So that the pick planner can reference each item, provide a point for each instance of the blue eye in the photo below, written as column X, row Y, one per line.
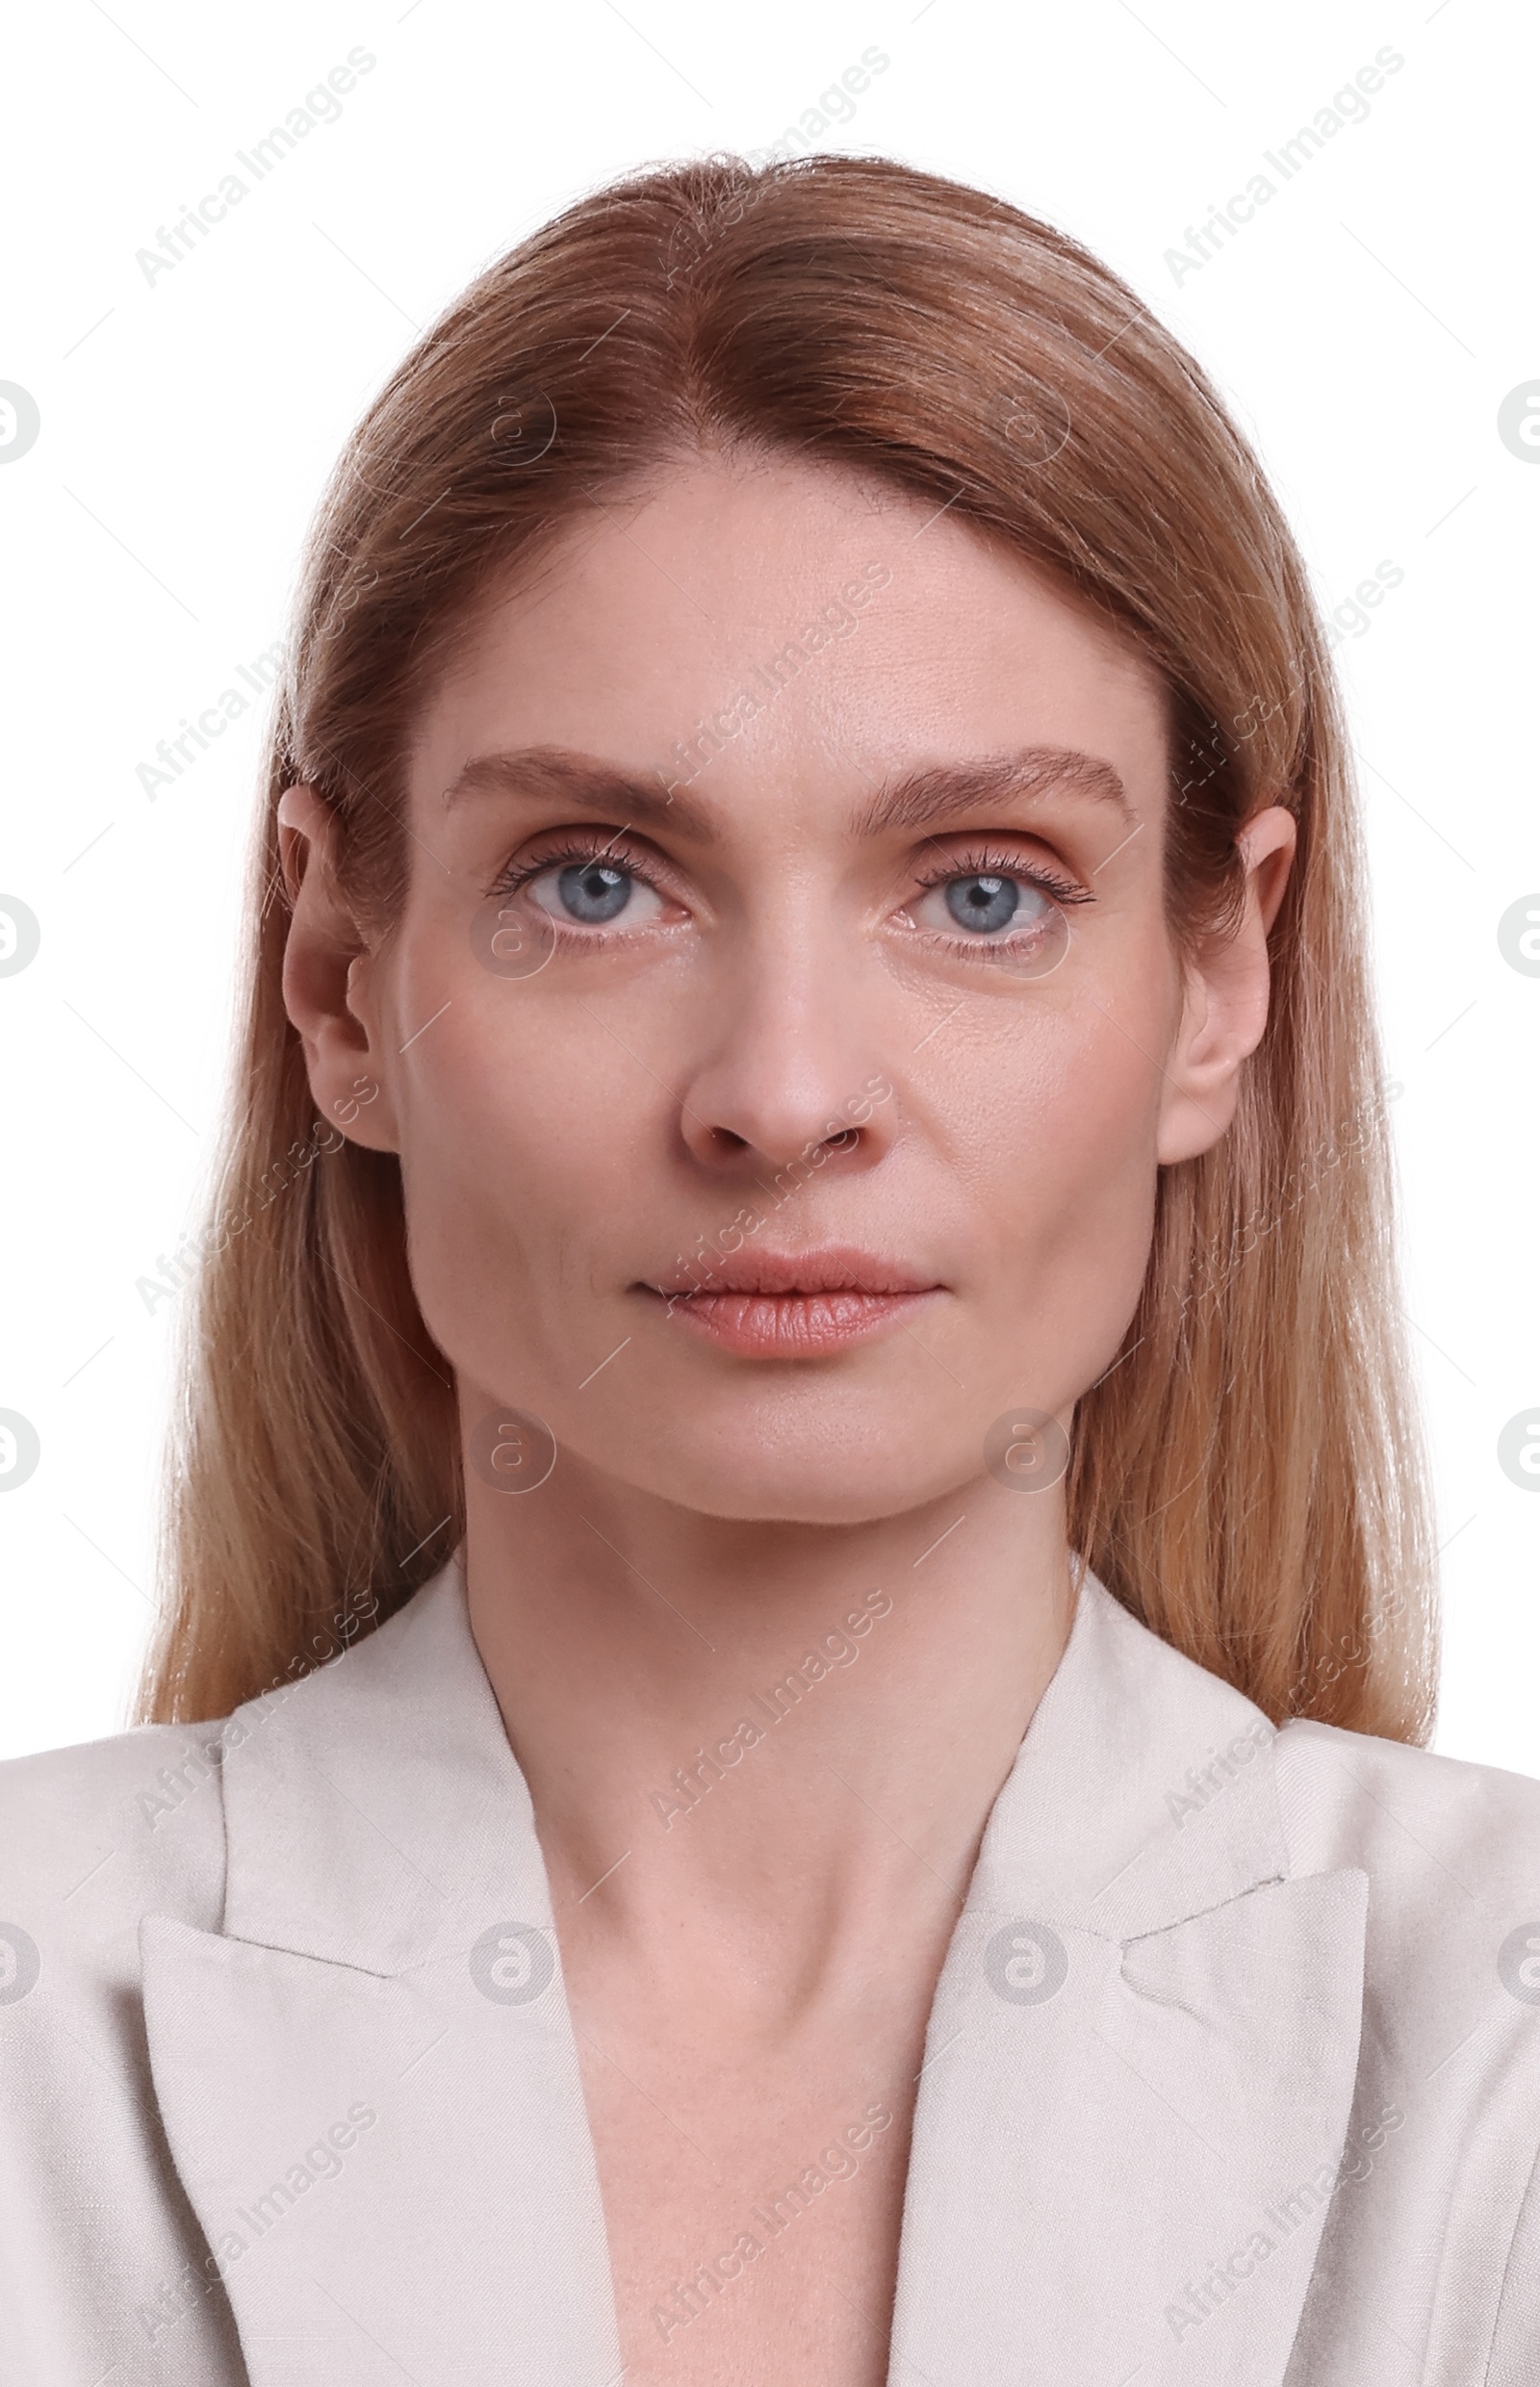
column 982, row 902
column 593, row 891
column 992, row 906
column 1010, row 913
column 585, row 889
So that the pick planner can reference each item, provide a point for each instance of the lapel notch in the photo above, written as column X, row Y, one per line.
column 369, row 2079
column 1140, row 2061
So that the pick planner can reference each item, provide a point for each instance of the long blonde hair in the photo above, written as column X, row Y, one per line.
column 1248, row 1477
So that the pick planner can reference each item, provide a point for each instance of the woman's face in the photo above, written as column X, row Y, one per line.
column 786, row 896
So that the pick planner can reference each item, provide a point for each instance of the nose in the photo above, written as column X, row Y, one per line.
column 791, row 1067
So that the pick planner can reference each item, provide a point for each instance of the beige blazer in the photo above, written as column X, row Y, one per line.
column 1233, row 2072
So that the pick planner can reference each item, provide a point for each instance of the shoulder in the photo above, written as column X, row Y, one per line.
column 1348, row 1797
column 1452, row 1850
column 95, row 1837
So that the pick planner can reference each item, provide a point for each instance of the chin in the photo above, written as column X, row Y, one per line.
column 813, row 1475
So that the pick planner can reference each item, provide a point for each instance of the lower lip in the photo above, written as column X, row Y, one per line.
column 792, row 1326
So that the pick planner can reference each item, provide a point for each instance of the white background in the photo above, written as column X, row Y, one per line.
column 1365, row 326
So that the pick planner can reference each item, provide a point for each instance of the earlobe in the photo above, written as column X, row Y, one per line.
column 326, row 978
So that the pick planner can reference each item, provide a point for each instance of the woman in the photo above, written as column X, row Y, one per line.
column 786, row 1744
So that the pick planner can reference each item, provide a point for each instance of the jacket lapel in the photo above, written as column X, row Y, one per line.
column 1138, row 2074
column 1141, row 2060
column 369, row 2082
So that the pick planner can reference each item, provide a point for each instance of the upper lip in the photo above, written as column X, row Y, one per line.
column 834, row 1268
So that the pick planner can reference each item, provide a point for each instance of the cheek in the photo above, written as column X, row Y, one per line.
column 520, row 1135
column 1056, row 1133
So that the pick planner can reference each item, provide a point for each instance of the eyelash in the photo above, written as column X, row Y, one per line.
column 978, row 862
column 987, row 861
column 610, row 849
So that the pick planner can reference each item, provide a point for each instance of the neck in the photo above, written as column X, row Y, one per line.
column 723, row 1721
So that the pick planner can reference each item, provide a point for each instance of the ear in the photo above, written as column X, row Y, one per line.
column 326, row 971
column 1225, row 1007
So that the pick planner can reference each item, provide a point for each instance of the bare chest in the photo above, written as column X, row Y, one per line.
column 752, row 2208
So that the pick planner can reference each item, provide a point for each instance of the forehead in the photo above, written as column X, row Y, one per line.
column 775, row 616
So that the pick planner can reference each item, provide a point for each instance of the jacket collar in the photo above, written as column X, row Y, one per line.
column 1136, row 1798
column 376, row 1815
column 1142, row 2055
column 1145, row 2037
column 375, row 1808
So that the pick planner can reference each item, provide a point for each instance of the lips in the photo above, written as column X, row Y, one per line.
column 794, row 1305
column 835, row 1267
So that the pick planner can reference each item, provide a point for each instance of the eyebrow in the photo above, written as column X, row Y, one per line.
column 924, row 800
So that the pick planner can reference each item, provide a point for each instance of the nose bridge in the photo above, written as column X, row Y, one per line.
column 788, row 1057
